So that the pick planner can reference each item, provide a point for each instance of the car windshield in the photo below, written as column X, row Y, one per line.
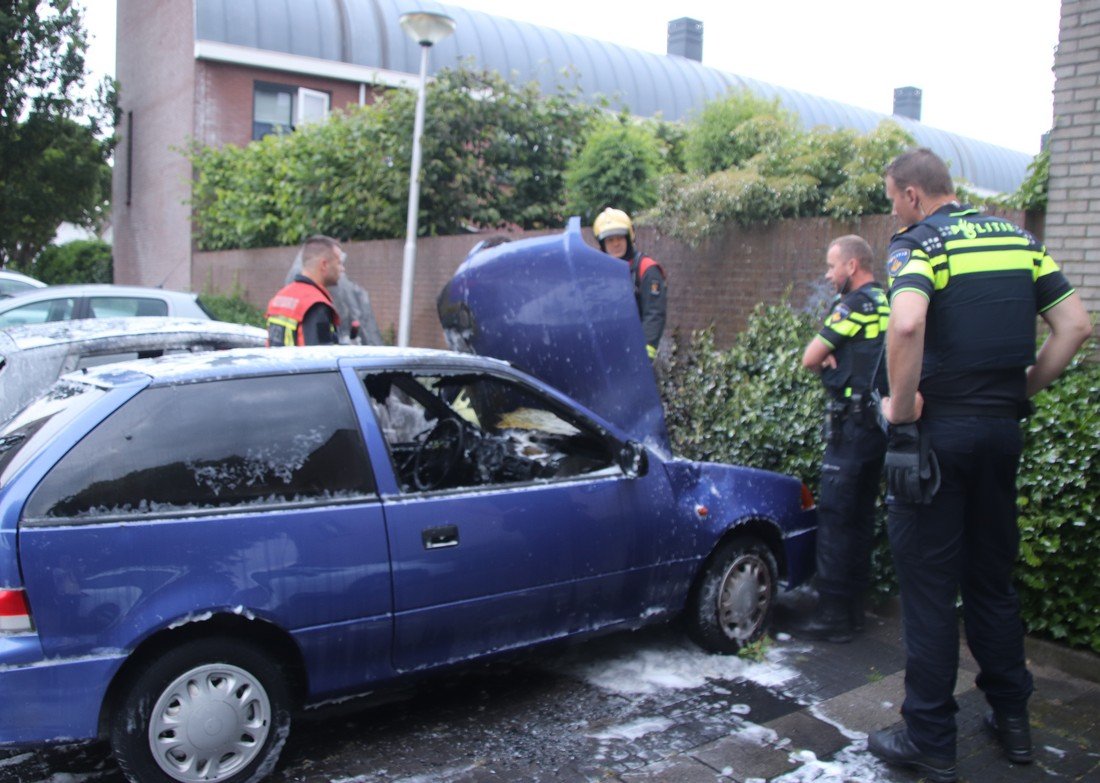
column 27, row 433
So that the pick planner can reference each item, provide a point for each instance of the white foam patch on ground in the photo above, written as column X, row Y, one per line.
column 851, row 765
column 671, row 666
column 12, row 760
column 1056, row 751
column 756, row 734
column 851, row 734
column 634, row 729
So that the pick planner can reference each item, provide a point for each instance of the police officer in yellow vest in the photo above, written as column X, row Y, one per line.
column 847, row 353
column 965, row 291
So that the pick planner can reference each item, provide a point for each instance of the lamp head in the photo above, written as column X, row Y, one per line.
column 427, row 29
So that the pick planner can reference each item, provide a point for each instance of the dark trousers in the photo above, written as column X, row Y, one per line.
column 965, row 539
column 850, row 476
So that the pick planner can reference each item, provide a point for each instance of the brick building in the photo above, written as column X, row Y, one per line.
column 1072, row 222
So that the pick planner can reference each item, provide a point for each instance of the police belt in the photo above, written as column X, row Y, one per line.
column 855, row 404
column 998, row 410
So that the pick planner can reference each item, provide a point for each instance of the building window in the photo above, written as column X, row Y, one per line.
column 279, row 107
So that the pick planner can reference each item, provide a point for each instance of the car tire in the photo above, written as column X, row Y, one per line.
column 216, row 710
column 732, row 601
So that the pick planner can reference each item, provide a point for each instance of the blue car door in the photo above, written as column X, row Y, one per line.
column 521, row 538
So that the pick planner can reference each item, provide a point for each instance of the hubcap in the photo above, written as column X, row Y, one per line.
column 209, row 723
column 743, row 597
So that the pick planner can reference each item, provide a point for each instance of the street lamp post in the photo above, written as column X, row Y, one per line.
column 426, row 29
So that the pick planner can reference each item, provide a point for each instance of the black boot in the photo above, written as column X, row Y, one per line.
column 856, row 613
column 894, row 747
column 830, row 622
column 1014, row 734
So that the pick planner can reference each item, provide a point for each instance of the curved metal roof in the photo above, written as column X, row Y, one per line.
column 368, row 33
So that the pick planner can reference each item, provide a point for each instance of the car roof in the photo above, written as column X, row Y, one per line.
column 32, row 336
column 95, row 289
column 10, row 275
column 240, row 362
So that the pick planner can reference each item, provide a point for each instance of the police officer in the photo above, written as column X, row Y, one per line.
column 965, row 290
column 847, row 353
column 615, row 233
column 302, row 312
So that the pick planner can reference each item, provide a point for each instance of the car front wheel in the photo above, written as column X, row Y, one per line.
column 213, row 710
column 733, row 598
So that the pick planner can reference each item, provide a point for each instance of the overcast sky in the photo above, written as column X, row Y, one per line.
column 985, row 66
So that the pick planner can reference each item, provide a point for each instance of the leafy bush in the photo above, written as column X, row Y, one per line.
column 79, row 261
column 493, row 155
column 233, row 308
column 766, row 168
column 1059, row 486
column 729, row 132
column 1032, row 193
column 618, row 167
column 754, row 405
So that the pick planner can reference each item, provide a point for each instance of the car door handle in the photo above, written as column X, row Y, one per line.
column 439, row 537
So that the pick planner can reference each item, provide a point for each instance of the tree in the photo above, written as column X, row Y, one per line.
column 79, row 261
column 55, row 141
column 618, row 167
column 729, row 132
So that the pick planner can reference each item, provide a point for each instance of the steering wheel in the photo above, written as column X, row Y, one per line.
column 438, row 453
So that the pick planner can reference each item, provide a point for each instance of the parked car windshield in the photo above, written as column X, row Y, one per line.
column 26, row 434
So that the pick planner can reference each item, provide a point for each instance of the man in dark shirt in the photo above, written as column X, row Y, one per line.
column 965, row 291
column 302, row 312
column 847, row 354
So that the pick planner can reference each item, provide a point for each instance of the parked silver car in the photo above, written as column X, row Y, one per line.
column 73, row 302
column 32, row 357
column 12, row 283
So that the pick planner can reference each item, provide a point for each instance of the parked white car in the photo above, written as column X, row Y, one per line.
column 32, row 357
column 12, row 283
column 73, row 302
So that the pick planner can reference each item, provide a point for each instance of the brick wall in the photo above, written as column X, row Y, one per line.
column 1072, row 222
column 717, row 284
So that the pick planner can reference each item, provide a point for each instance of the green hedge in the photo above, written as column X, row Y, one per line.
column 753, row 404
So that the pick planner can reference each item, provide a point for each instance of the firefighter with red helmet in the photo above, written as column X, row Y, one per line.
column 615, row 233
column 302, row 312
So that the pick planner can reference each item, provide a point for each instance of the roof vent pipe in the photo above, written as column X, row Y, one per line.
column 685, row 38
column 907, row 102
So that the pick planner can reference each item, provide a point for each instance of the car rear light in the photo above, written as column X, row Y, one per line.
column 15, row 615
column 808, row 501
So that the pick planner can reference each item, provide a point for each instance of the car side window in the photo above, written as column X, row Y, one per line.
column 450, row 431
column 213, row 445
column 125, row 306
column 38, row 312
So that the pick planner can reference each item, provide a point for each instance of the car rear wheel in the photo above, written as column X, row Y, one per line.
column 733, row 599
column 214, row 710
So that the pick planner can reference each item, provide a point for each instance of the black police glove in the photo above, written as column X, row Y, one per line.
column 912, row 470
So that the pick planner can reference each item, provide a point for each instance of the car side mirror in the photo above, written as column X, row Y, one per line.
column 633, row 459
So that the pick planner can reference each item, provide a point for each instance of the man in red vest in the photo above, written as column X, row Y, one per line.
column 302, row 312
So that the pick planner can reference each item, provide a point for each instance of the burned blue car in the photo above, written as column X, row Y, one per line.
column 194, row 548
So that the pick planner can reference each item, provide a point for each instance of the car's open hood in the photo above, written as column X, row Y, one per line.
column 564, row 312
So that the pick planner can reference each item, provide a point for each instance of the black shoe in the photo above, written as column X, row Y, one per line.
column 1014, row 734
column 894, row 747
column 831, row 621
column 856, row 615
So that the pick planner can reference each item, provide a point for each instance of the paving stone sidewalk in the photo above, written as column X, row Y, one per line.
column 853, row 689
